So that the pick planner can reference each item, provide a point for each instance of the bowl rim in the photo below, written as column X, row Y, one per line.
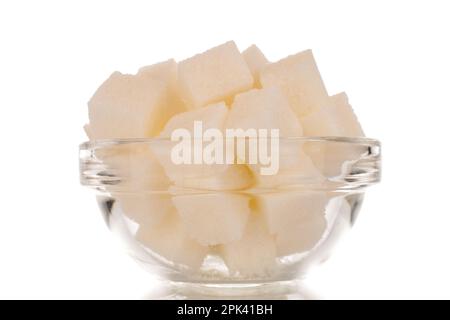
column 364, row 172
column 99, row 143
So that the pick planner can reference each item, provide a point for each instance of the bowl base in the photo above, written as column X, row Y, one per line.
column 277, row 290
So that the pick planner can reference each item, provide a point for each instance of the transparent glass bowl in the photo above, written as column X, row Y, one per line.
column 207, row 225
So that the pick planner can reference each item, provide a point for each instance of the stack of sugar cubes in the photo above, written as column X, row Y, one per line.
column 223, row 88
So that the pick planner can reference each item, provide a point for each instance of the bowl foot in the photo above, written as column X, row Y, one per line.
column 278, row 290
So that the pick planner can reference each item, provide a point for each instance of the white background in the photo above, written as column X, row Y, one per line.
column 391, row 57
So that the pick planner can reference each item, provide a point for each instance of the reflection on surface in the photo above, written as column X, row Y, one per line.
column 279, row 291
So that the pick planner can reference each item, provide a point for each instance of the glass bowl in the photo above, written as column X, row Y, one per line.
column 217, row 226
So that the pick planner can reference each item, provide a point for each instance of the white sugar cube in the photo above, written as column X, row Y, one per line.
column 215, row 75
column 214, row 218
column 296, row 219
column 255, row 60
column 169, row 240
column 299, row 79
column 254, row 255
